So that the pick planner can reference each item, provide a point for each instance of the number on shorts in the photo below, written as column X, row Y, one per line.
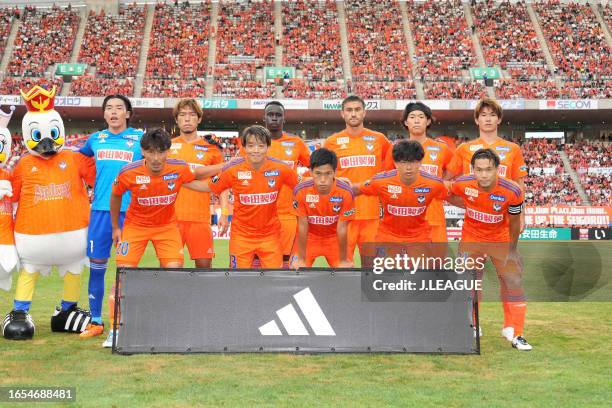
column 123, row 248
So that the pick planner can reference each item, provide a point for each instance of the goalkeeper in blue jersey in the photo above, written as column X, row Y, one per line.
column 112, row 148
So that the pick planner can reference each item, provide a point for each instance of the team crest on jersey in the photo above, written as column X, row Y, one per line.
column 143, row 179
column 471, row 192
column 271, row 182
column 502, row 156
column 288, row 152
column 171, row 185
column 63, row 165
column 199, row 155
column 129, row 144
column 473, row 148
column 312, row 198
column 336, row 208
column 244, row 175
column 433, row 156
column 420, row 199
column 370, row 146
column 497, row 207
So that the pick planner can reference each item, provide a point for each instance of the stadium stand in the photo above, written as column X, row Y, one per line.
column 92, row 86
column 589, row 159
column 311, row 40
column 6, row 19
column 12, row 85
column 379, row 54
column 241, row 52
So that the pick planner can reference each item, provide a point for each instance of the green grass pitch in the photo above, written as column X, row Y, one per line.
column 569, row 366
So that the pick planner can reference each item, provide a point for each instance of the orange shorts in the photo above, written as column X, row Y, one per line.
column 322, row 246
column 134, row 239
column 287, row 234
column 242, row 250
column 360, row 231
column 198, row 237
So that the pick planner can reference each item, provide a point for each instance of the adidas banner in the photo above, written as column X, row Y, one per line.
column 313, row 311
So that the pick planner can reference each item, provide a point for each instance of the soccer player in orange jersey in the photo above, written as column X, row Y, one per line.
column 154, row 184
column 361, row 154
column 492, row 227
column 488, row 116
column 256, row 181
column 405, row 194
column 193, row 207
column 324, row 207
column 417, row 118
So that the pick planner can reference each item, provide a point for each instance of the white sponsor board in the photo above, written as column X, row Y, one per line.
column 569, row 104
column 301, row 104
column 336, row 104
column 147, row 102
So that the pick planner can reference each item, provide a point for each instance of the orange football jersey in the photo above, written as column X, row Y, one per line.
column 194, row 205
column 51, row 192
column 255, row 194
column 487, row 212
column 324, row 210
column 6, row 215
column 512, row 165
column 153, row 196
column 360, row 157
column 404, row 205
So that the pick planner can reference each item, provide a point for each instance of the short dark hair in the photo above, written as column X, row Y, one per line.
column 274, row 103
column 323, row 156
column 353, row 98
column 416, row 106
column 485, row 154
column 126, row 102
column 408, row 151
column 260, row 133
column 156, row 139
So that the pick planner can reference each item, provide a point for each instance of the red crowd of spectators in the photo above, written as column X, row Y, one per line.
column 179, row 42
column 311, row 44
column 12, row 85
column 45, row 37
column 576, row 40
column 442, row 40
column 245, row 41
column 92, row 86
column 513, row 89
column 590, row 160
column 167, row 88
column 112, row 42
column 385, row 90
column 454, row 90
column 6, row 19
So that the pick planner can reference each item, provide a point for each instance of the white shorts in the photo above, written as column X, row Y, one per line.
column 65, row 250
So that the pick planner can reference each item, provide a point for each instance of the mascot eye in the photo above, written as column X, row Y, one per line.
column 2, row 144
column 55, row 133
column 36, row 135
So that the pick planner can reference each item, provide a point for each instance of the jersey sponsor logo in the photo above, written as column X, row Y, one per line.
column 369, row 138
column 473, row 148
column 336, row 207
column 52, row 192
column 171, row 176
column 430, row 169
column 471, row 192
column 496, row 197
column 335, row 199
column 497, row 207
column 502, row 148
column 322, row 220
column 312, row 198
column 422, row 190
column 112, row 154
column 287, row 143
column 502, row 170
column 434, row 148
column 157, row 200
column 131, row 137
column 484, row 217
column 176, row 146
column 143, row 179
column 202, row 148
column 342, row 140
column 258, row 199
column 394, row 189
column 405, row 211
column 349, row 212
column 244, row 175
column 358, row 161
column 272, row 173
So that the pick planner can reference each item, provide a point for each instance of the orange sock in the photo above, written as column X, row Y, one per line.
column 518, row 310
column 113, row 314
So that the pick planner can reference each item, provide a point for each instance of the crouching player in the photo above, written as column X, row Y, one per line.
column 491, row 228
column 154, row 183
column 324, row 206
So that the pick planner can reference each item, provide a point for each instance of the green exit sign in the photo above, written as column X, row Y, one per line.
column 272, row 73
column 479, row 73
column 70, row 69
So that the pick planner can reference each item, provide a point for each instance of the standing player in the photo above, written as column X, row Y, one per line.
column 255, row 181
column 405, row 194
column 324, row 207
column 417, row 119
column 293, row 151
column 361, row 154
column 192, row 207
column 111, row 148
column 488, row 116
column 492, row 226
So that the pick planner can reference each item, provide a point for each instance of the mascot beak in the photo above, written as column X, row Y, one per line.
column 2, row 157
column 46, row 147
